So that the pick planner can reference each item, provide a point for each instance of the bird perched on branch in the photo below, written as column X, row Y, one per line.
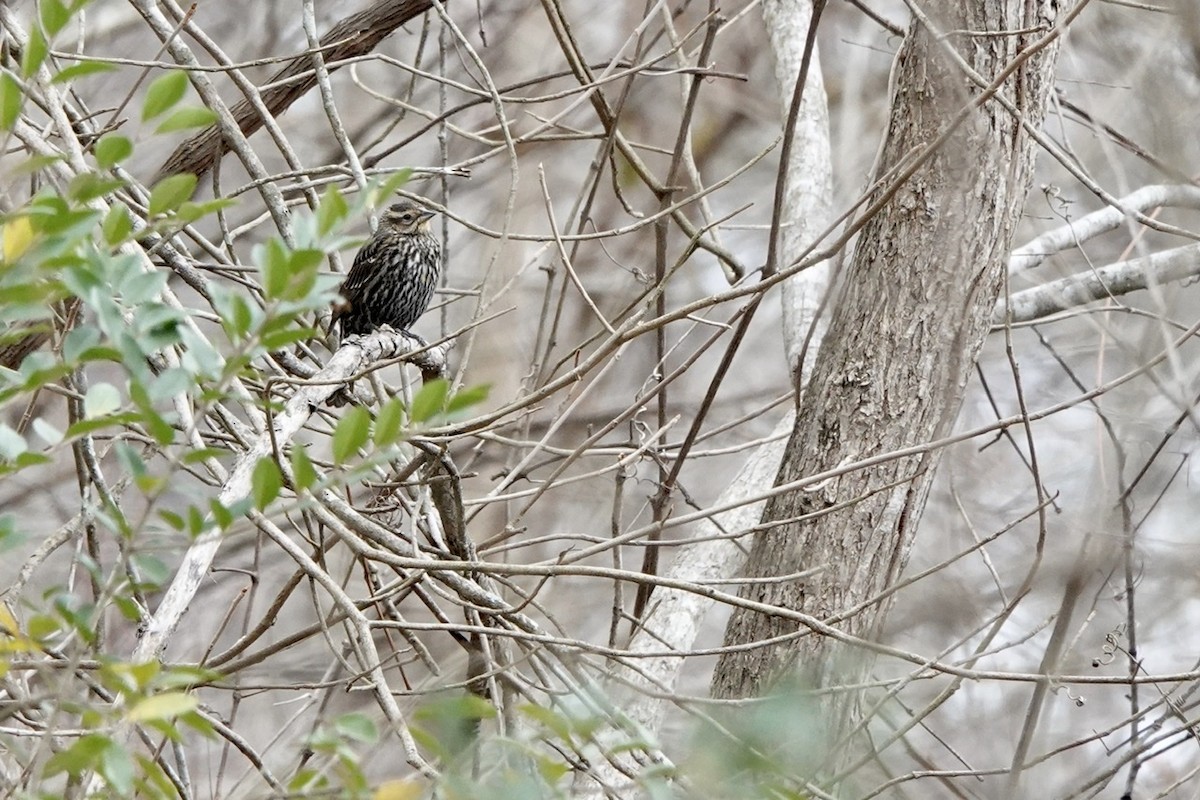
column 393, row 276
column 391, row 281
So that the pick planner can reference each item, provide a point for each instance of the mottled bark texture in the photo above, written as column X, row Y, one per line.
column 915, row 305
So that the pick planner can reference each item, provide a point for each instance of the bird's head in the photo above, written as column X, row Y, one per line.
column 406, row 217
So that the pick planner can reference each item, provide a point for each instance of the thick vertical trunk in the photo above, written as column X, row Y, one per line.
column 915, row 305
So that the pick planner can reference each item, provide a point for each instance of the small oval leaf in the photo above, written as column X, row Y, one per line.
column 389, row 421
column 112, row 149
column 10, row 100
column 163, row 93
column 101, row 399
column 430, row 400
column 351, row 433
column 265, row 482
column 185, row 118
column 171, row 192
column 18, row 236
column 304, row 474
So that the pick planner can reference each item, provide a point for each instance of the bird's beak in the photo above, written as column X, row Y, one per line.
column 425, row 216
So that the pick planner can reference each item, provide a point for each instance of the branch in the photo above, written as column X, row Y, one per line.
column 356, row 35
column 350, row 359
column 1097, row 284
column 1104, row 220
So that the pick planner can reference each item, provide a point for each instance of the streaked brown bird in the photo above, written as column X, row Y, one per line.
column 394, row 274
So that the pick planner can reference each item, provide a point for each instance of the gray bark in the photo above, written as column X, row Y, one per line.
column 915, row 305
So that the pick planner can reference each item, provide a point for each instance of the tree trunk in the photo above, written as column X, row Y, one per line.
column 915, row 305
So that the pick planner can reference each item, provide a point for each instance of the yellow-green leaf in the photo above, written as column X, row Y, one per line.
column 54, row 15
column 184, row 118
column 171, row 192
column 351, row 433
column 397, row 789
column 101, row 399
column 113, row 148
column 12, row 640
column 36, row 49
column 18, row 236
column 388, row 422
column 10, row 100
column 304, row 474
column 265, row 482
column 430, row 400
column 162, row 706
column 163, row 93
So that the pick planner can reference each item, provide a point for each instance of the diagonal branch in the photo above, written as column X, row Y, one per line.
column 356, row 35
column 1088, row 286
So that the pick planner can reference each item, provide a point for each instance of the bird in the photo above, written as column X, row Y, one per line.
column 393, row 276
column 391, row 280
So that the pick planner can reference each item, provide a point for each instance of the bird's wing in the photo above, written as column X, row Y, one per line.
column 360, row 271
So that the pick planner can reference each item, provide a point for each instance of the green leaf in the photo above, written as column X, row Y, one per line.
column 48, row 433
column 170, row 192
column 167, row 705
column 351, row 433
column 101, row 399
column 195, row 522
column 54, row 15
column 78, row 757
column 304, row 474
column 273, row 262
column 430, row 400
column 202, row 454
column 10, row 100
column 199, row 356
column 199, row 724
column 190, row 211
column 279, row 339
column 10, row 538
column 131, row 462
column 112, row 149
column 35, row 53
column 89, row 185
column 98, row 752
column 185, row 118
column 302, row 273
column 117, row 225
column 331, row 211
column 558, row 724
column 172, row 519
column 222, row 516
column 265, row 482
column 236, row 313
column 471, row 396
column 288, row 274
column 139, row 289
column 34, row 164
column 16, row 237
column 160, row 429
column 82, row 70
column 164, row 92
column 12, row 444
column 389, row 422
column 386, row 191
column 356, row 726
column 116, row 767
